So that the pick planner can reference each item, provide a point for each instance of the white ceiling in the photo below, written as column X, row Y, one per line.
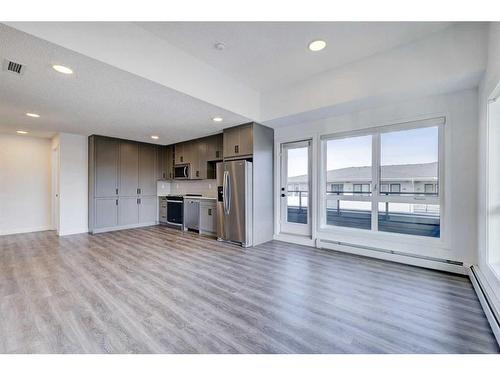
column 97, row 99
column 133, row 80
column 268, row 55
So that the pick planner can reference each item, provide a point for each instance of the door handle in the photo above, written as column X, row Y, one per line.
column 283, row 195
column 225, row 192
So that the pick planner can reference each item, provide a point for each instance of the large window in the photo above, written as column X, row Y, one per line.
column 349, row 164
column 403, row 161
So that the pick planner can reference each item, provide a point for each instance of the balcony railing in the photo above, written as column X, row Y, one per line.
column 358, row 192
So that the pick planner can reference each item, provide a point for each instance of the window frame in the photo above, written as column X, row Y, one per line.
column 376, row 195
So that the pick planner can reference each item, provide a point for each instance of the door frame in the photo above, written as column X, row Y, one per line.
column 284, row 226
column 55, row 189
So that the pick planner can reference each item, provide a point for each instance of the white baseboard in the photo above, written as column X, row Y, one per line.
column 73, row 231
column 489, row 303
column 296, row 239
column 26, row 230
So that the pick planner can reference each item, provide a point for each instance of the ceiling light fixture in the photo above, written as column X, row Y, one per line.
column 62, row 69
column 219, row 46
column 217, row 119
column 21, row 132
column 155, row 137
column 317, row 45
column 36, row 115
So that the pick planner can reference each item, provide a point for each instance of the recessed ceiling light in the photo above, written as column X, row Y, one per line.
column 62, row 69
column 21, row 132
column 217, row 119
column 219, row 46
column 155, row 137
column 32, row 115
column 317, row 45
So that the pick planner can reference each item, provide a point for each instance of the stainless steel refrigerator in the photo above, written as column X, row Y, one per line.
column 234, row 203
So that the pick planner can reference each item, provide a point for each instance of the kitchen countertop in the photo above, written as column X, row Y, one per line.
column 198, row 197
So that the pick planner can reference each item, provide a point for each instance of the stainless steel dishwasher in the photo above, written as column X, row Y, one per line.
column 191, row 214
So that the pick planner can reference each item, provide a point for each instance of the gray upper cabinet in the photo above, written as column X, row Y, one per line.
column 198, row 159
column 214, row 147
column 106, row 167
column 231, row 142
column 161, row 162
column 165, row 162
column 179, row 153
column 129, row 168
column 170, row 162
column 238, row 141
column 147, row 170
column 246, row 140
column 147, row 209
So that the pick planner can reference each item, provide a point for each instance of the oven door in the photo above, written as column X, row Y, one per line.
column 175, row 212
column 181, row 172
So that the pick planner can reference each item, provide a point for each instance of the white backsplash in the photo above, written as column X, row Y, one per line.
column 207, row 188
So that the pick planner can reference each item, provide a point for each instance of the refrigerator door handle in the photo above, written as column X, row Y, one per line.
column 224, row 191
column 230, row 193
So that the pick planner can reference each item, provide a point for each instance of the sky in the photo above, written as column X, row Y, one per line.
column 413, row 146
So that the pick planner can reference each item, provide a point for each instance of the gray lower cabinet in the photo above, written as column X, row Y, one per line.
column 106, row 213
column 147, row 209
column 208, row 219
column 128, row 211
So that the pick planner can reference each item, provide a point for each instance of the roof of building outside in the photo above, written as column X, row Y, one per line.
column 426, row 171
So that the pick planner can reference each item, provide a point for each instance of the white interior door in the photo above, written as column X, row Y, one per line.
column 295, row 188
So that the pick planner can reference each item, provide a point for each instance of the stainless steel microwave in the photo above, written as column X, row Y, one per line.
column 181, row 172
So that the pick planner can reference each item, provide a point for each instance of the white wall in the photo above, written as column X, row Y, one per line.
column 490, row 81
column 73, row 183
column 25, row 184
column 446, row 61
column 207, row 188
column 459, row 221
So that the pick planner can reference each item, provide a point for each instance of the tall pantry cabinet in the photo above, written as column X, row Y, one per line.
column 122, row 184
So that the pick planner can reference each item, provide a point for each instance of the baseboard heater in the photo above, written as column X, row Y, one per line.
column 489, row 309
column 393, row 252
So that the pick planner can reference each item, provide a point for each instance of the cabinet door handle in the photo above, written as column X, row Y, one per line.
column 197, row 173
column 163, row 174
column 116, row 202
column 182, row 159
column 236, row 149
column 217, row 153
column 209, row 212
column 116, row 191
column 138, row 200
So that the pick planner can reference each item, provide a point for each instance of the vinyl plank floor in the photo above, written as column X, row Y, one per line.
column 158, row 290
